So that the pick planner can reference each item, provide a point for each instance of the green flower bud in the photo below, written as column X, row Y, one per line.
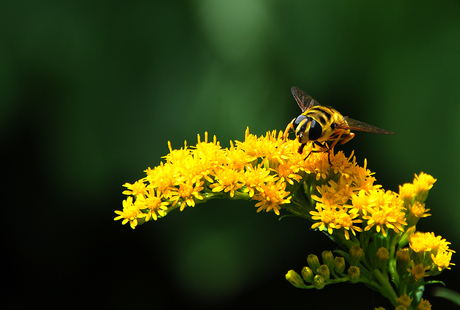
column 339, row 263
column 324, row 272
column 402, row 261
column 381, row 257
column 318, row 282
column 328, row 259
column 313, row 262
column 307, row 274
column 355, row 255
column 353, row 273
column 294, row 278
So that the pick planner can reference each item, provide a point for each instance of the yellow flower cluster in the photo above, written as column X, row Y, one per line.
column 258, row 168
column 354, row 199
column 431, row 248
column 332, row 191
column 270, row 170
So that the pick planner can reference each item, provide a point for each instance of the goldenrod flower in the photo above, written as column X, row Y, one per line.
column 386, row 211
column 270, row 147
column 187, row 192
column 428, row 242
column 371, row 225
column 404, row 300
column 267, row 169
column 138, row 188
column 271, row 196
column 151, row 204
column 442, row 259
column 432, row 251
column 422, row 184
column 326, row 217
column 360, row 201
column 424, row 305
column 227, row 180
column 418, row 271
column 130, row 213
column 288, row 172
column 254, row 178
column 418, row 210
column 347, row 221
column 407, row 192
column 363, row 177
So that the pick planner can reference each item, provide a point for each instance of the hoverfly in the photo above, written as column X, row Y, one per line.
column 318, row 124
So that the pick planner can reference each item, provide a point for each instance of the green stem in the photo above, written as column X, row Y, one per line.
column 330, row 281
column 386, row 288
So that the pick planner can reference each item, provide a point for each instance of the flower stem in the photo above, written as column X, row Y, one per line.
column 385, row 287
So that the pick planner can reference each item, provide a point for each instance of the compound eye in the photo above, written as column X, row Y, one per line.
column 299, row 119
column 315, row 131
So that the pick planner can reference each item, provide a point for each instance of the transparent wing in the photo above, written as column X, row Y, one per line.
column 353, row 124
column 303, row 100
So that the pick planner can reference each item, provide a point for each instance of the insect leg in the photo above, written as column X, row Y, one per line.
column 331, row 148
column 288, row 127
column 300, row 150
column 347, row 138
column 322, row 148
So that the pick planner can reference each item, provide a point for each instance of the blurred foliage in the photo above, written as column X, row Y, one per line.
column 90, row 93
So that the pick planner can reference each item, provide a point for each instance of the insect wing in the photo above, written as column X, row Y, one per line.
column 360, row 126
column 303, row 100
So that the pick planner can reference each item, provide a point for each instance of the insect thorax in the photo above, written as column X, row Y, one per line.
column 317, row 123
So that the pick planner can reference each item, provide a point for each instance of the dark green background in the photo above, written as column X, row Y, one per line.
column 91, row 92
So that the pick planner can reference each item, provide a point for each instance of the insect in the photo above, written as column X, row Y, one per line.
column 318, row 124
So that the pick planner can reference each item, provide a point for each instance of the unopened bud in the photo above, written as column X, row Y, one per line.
column 402, row 261
column 339, row 263
column 381, row 257
column 355, row 255
column 307, row 274
column 318, row 282
column 404, row 300
column 328, row 259
column 324, row 272
column 353, row 273
column 294, row 278
column 313, row 262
